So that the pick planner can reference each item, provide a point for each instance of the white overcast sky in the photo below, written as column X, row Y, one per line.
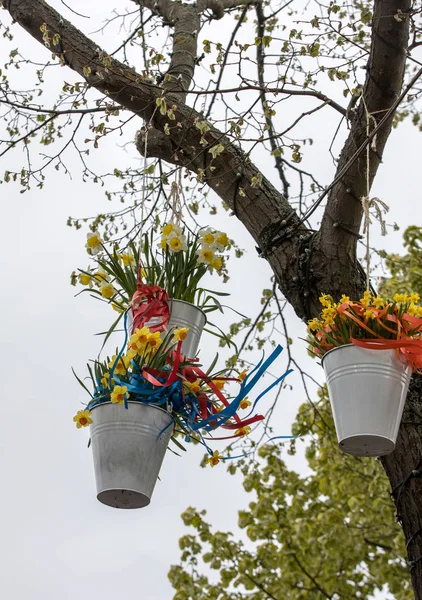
column 56, row 539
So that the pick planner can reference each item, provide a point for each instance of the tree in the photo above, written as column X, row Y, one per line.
column 331, row 534
column 285, row 57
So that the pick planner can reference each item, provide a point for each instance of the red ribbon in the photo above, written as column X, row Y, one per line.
column 149, row 301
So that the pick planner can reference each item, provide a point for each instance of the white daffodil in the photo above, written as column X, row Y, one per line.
column 205, row 255
column 177, row 243
column 208, row 237
column 170, row 229
column 93, row 243
column 87, row 278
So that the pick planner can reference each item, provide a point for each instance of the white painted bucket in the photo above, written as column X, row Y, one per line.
column 182, row 314
column 128, row 447
column 367, row 390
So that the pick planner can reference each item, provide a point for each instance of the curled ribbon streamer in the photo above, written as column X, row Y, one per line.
column 410, row 349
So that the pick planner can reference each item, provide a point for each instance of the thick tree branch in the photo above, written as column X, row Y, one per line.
column 385, row 73
column 238, row 182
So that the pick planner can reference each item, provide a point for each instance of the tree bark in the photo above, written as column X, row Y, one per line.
column 304, row 262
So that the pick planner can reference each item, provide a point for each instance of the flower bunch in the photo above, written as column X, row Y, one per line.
column 152, row 370
column 372, row 317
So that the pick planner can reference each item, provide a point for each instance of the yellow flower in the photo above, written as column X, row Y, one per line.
column 107, row 290
column 122, row 366
column 314, row 325
column 244, row 404
column 223, row 239
column 82, row 418
column 378, row 302
column 175, row 244
column 344, row 299
column 214, row 459
column 128, row 259
column 119, row 394
column 85, row 279
column 242, row 375
column 180, row 334
column 366, row 299
column 139, row 338
column 100, row 276
column 414, row 297
column 326, row 300
column 105, row 380
column 167, row 229
column 399, row 298
column 93, row 243
column 194, row 386
column 219, row 383
column 414, row 310
column 154, row 340
column 117, row 308
column 328, row 314
column 205, row 255
column 208, row 238
column 163, row 243
column 243, row 431
column 217, row 263
column 369, row 314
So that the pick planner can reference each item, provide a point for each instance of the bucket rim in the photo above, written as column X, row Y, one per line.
column 109, row 403
column 189, row 304
column 354, row 346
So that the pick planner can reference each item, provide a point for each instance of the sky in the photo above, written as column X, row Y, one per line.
column 56, row 539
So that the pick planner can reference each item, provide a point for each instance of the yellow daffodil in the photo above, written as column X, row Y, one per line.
column 86, row 279
column 154, row 340
column 378, row 302
column 412, row 309
column 205, row 255
column 100, row 276
column 107, row 290
column 223, row 240
column 180, row 334
column 167, row 229
column 194, row 386
column 328, row 314
column 314, row 325
column 93, row 243
column 127, row 259
column 400, row 298
column 217, row 263
column 366, row 299
column 214, row 459
column 82, row 418
column 121, row 366
column 369, row 313
column 119, row 394
column 242, row 376
column 219, row 383
column 326, row 300
column 244, row 404
column 139, row 339
column 243, row 431
column 414, row 298
column 105, row 380
column 344, row 299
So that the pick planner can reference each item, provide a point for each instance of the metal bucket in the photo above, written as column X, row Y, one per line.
column 128, row 447
column 182, row 314
column 367, row 390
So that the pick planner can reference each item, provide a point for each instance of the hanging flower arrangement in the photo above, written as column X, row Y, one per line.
column 154, row 388
column 369, row 349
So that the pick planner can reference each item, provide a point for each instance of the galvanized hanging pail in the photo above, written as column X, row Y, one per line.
column 128, row 447
column 182, row 314
column 367, row 390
